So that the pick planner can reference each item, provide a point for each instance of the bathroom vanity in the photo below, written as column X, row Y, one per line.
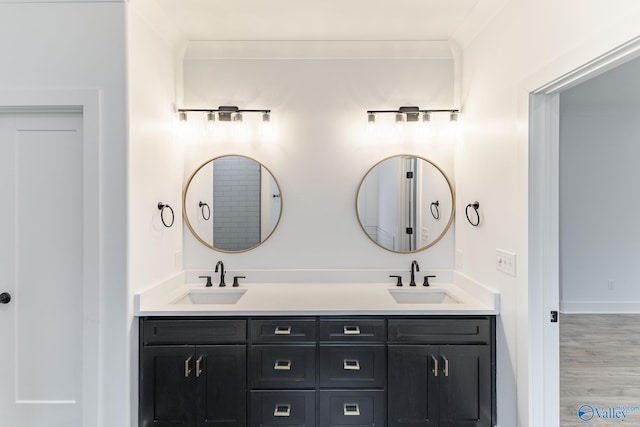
column 282, row 355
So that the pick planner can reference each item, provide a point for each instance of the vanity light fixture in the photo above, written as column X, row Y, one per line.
column 412, row 114
column 226, row 113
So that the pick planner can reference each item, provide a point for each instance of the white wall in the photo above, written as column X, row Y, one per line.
column 319, row 94
column 599, row 227
column 67, row 46
column 155, row 166
column 155, row 150
column 527, row 45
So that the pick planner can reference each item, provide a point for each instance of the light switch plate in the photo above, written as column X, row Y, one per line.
column 506, row 262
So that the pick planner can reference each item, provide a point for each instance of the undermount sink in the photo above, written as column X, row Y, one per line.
column 210, row 296
column 422, row 296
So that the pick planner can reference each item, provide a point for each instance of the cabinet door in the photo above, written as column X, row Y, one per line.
column 221, row 386
column 412, row 393
column 167, row 387
column 465, row 386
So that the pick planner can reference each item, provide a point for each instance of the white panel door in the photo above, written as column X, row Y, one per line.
column 41, row 267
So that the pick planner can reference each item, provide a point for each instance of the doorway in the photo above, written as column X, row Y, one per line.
column 599, row 243
column 545, row 233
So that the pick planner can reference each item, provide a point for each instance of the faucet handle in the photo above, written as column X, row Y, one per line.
column 426, row 280
column 235, row 280
column 399, row 281
column 209, row 284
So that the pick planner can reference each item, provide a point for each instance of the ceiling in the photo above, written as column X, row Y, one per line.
column 393, row 20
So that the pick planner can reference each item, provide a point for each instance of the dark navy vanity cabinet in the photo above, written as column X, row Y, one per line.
column 193, row 372
column 317, row 371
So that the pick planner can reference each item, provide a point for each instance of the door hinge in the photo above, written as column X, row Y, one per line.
column 409, row 175
column 554, row 316
column 409, row 230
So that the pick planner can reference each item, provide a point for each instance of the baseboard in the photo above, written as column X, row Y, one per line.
column 623, row 307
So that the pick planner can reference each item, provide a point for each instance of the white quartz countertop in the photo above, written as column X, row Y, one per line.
column 271, row 299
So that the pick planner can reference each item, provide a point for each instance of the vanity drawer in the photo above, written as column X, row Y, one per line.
column 283, row 330
column 352, row 408
column 283, row 366
column 352, row 330
column 440, row 331
column 194, row 331
column 283, row 408
column 348, row 366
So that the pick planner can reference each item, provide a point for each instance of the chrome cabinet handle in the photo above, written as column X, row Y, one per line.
column 351, row 365
column 282, row 365
column 351, row 409
column 198, row 368
column 282, row 330
column 445, row 368
column 187, row 369
column 435, row 366
column 282, row 410
column 351, row 330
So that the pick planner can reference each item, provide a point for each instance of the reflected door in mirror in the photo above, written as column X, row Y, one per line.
column 405, row 203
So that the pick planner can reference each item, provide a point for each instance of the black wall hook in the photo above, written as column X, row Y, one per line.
column 475, row 206
column 206, row 213
column 162, row 207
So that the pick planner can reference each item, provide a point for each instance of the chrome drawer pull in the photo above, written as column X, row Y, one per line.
column 282, row 365
column 351, row 365
column 187, row 368
column 351, row 330
column 282, row 410
column 198, row 367
column 445, row 368
column 351, row 409
column 282, row 330
column 435, row 366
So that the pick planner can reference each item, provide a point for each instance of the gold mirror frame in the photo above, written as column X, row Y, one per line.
column 451, row 216
column 186, row 217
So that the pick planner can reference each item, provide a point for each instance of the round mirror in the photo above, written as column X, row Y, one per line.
column 405, row 203
column 231, row 203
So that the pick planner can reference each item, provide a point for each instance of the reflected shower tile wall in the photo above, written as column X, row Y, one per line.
column 236, row 185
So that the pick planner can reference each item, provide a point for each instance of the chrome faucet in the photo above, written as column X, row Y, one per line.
column 221, row 265
column 414, row 265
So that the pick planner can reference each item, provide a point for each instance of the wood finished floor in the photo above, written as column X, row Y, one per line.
column 600, row 367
